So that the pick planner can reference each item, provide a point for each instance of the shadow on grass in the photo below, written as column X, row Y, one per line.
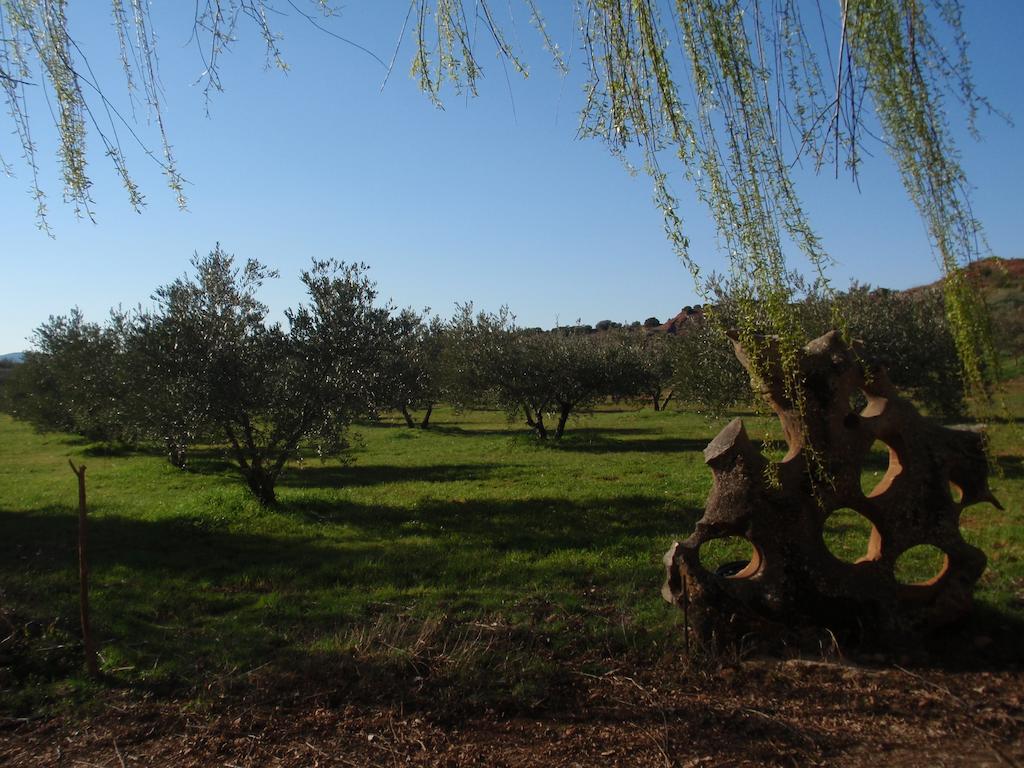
column 181, row 604
column 443, row 428
column 1011, row 466
column 598, row 441
column 117, row 450
column 332, row 476
column 180, row 600
column 988, row 639
column 536, row 525
column 517, row 428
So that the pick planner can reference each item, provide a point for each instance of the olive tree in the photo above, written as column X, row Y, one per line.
column 544, row 377
column 558, row 374
column 728, row 95
column 76, row 379
column 477, row 355
column 265, row 389
column 415, row 366
column 705, row 372
column 908, row 332
column 649, row 370
column 165, row 360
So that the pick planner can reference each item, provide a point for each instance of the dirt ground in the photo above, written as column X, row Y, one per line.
column 799, row 713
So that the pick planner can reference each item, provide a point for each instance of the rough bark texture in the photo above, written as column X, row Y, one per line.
column 408, row 417
column 262, row 483
column 563, row 417
column 792, row 580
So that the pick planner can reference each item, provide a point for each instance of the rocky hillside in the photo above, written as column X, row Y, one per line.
column 1001, row 282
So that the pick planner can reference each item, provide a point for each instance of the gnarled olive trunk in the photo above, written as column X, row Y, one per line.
column 656, row 400
column 261, row 482
column 535, row 421
column 176, row 453
column 426, row 417
column 563, row 416
column 408, row 417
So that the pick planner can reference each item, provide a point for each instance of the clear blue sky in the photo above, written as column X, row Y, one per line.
column 492, row 200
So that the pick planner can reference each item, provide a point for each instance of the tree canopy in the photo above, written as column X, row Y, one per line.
column 728, row 95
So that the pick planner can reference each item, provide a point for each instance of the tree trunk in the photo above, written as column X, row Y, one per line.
column 664, row 403
column 656, row 399
column 176, row 453
column 408, row 417
column 563, row 417
column 536, row 422
column 261, row 483
column 426, row 417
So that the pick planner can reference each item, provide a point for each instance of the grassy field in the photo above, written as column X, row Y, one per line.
column 468, row 559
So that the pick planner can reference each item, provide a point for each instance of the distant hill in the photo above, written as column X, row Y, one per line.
column 13, row 357
column 1001, row 281
column 680, row 321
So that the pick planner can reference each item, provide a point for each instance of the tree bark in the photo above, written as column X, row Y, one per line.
column 655, row 399
column 563, row 417
column 91, row 665
column 261, row 483
column 426, row 417
column 176, row 453
column 536, row 421
column 408, row 417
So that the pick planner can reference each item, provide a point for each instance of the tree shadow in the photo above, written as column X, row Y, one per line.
column 517, row 429
column 1012, row 467
column 185, row 603
column 598, row 441
column 118, row 450
column 986, row 639
column 180, row 600
column 359, row 475
column 442, row 428
column 536, row 525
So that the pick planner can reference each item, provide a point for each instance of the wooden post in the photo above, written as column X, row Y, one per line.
column 686, row 616
column 91, row 666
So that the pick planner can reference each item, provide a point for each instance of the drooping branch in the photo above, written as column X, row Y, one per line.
column 726, row 94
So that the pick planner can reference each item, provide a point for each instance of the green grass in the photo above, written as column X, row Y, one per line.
column 468, row 555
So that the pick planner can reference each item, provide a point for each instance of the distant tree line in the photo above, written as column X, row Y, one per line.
column 204, row 366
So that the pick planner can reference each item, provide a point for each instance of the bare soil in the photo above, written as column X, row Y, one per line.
column 752, row 713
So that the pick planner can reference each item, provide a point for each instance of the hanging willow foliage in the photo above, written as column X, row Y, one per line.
column 730, row 95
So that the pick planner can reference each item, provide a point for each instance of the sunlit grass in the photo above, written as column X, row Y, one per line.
column 445, row 538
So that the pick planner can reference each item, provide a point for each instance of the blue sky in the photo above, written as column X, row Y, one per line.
column 492, row 200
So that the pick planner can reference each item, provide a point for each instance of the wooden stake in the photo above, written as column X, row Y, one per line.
column 91, row 665
column 686, row 615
